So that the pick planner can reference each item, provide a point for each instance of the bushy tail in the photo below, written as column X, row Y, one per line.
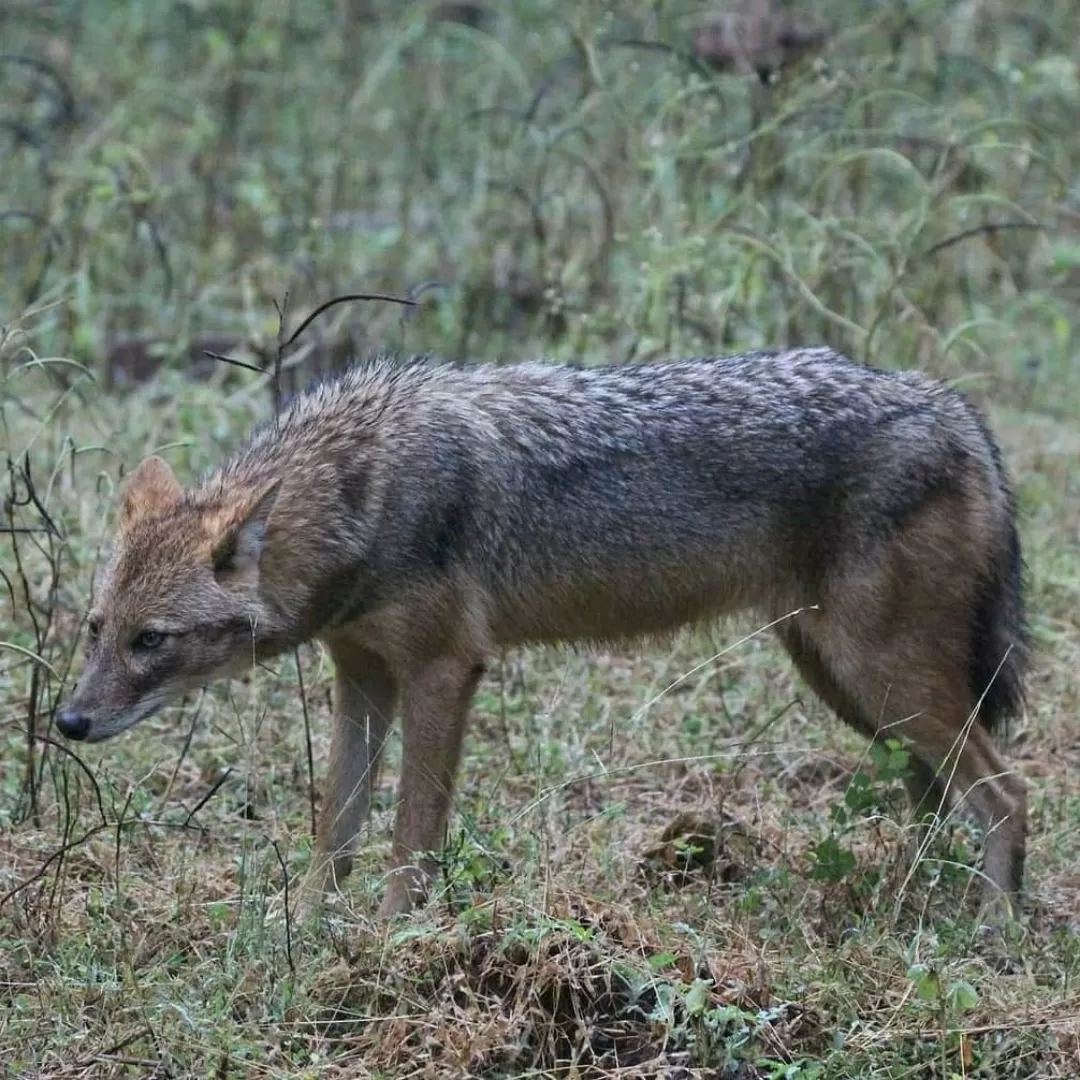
column 1000, row 642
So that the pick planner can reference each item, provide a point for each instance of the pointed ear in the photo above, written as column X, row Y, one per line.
column 239, row 545
column 150, row 490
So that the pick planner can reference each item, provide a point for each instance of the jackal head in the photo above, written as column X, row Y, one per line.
column 179, row 603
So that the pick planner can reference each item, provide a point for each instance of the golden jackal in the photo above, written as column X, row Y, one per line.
column 416, row 516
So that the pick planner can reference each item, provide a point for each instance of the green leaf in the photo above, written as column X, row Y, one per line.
column 697, row 997
column 927, row 983
column 832, row 863
column 962, row 996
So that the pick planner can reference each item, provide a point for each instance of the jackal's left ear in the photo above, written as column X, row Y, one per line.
column 239, row 545
column 149, row 490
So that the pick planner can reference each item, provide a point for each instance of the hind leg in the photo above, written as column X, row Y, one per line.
column 911, row 689
column 925, row 791
column 923, row 784
column 890, row 649
column 933, row 708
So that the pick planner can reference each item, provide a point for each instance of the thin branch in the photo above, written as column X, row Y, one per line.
column 688, row 58
column 279, row 353
column 288, row 917
column 65, row 748
column 341, row 300
column 32, row 495
column 208, row 796
column 414, row 294
column 989, row 227
column 183, row 752
column 234, row 362
column 59, row 853
column 307, row 739
column 71, row 845
column 65, row 114
column 539, row 231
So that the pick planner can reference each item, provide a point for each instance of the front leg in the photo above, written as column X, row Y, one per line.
column 436, row 699
column 364, row 697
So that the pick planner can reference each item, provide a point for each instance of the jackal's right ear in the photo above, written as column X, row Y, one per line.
column 151, row 489
column 241, row 534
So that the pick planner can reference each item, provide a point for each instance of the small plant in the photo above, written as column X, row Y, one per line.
column 725, row 1035
column 866, row 796
column 949, row 1001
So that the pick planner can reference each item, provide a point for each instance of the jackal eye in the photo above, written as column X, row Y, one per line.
column 93, row 629
column 148, row 639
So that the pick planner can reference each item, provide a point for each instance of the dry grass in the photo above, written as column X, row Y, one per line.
column 664, row 862
column 630, row 888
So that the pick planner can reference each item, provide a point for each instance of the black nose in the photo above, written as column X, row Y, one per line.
column 73, row 724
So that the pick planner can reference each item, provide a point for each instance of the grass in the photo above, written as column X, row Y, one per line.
column 663, row 862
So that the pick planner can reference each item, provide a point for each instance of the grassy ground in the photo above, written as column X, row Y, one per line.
column 663, row 862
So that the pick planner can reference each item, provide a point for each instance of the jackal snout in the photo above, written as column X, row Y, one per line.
column 73, row 724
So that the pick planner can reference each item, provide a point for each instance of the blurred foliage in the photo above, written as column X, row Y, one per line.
column 566, row 179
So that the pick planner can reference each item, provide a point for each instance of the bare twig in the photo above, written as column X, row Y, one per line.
column 989, row 227
column 39, row 684
column 288, row 917
column 536, row 214
column 59, row 853
column 183, row 752
column 209, row 795
column 65, row 749
column 693, row 62
column 234, row 362
column 414, row 294
column 124, row 1043
column 307, row 740
column 32, row 497
column 279, row 353
column 341, row 300
column 120, row 823
column 65, row 113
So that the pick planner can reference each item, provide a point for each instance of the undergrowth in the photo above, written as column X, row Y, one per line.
column 665, row 861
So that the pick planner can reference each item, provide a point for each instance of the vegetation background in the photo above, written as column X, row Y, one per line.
column 665, row 862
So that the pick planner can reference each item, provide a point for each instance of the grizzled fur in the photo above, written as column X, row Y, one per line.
column 416, row 516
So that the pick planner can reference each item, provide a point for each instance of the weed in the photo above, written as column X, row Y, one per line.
column 665, row 861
